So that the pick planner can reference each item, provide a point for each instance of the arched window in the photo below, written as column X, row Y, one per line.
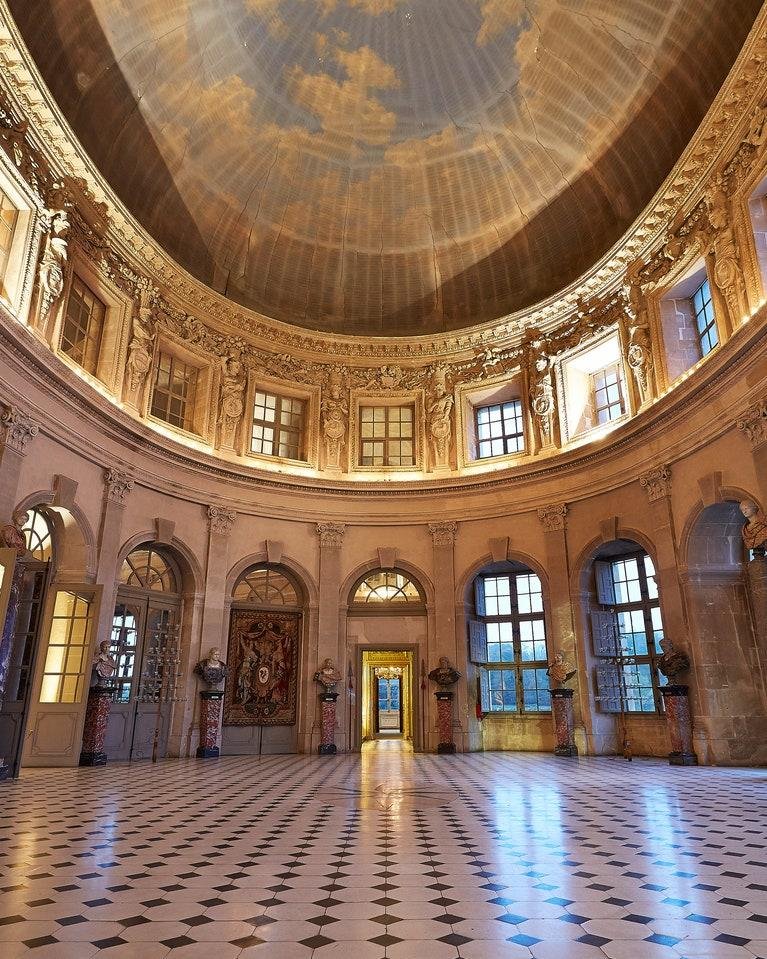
column 508, row 641
column 265, row 586
column 145, row 568
column 37, row 531
column 387, row 588
column 626, row 630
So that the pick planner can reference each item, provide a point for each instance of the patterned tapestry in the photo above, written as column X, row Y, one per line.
column 263, row 669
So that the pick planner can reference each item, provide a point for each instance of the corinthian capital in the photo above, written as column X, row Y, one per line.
column 753, row 423
column 443, row 534
column 118, row 484
column 554, row 517
column 331, row 534
column 20, row 428
column 221, row 520
column 656, row 483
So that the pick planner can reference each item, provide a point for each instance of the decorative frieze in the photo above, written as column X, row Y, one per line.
column 554, row 517
column 753, row 424
column 443, row 534
column 221, row 520
column 656, row 483
column 331, row 535
column 119, row 484
column 20, row 428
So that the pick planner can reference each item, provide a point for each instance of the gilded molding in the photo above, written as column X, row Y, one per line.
column 656, row 483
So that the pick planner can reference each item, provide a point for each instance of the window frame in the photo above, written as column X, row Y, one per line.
column 94, row 360
column 203, row 415
column 277, row 426
column 385, row 608
column 644, row 605
column 394, row 398
column 516, row 665
column 17, row 283
column 706, row 307
column 608, row 405
column 519, row 436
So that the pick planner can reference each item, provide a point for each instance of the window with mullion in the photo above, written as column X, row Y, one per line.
column 705, row 319
column 639, row 631
column 500, row 429
column 514, row 677
column 83, row 326
column 387, row 436
column 175, row 390
column 278, row 426
column 607, row 393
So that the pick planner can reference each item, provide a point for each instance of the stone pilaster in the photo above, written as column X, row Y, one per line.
column 329, row 641
column 17, row 430
column 553, row 518
column 753, row 425
column 446, row 639
column 118, row 485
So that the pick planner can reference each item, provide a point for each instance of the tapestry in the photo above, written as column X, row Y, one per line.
column 263, row 669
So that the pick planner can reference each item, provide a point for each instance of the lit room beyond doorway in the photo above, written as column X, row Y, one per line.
column 387, row 695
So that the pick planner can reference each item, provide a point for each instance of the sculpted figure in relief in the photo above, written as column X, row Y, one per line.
column 439, row 412
column 542, row 390
column 141, row 345
column 335, row 416
column 56, row 223
column 232, row 399
column 728, row 274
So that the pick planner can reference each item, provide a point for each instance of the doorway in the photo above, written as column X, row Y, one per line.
column 387, row 694
column 147, row 611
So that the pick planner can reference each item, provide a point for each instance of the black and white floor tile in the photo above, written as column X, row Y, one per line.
column 385, row 856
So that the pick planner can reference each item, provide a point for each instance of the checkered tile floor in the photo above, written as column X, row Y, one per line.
column 388, row 856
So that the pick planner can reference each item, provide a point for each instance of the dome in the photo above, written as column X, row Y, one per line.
column 385, row 167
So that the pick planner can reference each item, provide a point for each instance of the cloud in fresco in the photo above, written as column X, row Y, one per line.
column 498, row 16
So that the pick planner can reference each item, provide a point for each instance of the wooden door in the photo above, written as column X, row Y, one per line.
column 14, row 709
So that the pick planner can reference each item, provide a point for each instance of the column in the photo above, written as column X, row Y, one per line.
column 95, row 729
column 445, row 639
column 212, row 634
column 330, row 644
column 657, row 485
column 118, row 485
column 753, row 426
column 553, row 518
column 327, row 745
column 446, row 742
column 17, row 430
column 564, row 725
column 756, row 571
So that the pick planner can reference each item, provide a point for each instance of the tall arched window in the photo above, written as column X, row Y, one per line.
column 508, row 641
column 626, row 630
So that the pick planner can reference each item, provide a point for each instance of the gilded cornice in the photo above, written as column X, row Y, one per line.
column 728, row 140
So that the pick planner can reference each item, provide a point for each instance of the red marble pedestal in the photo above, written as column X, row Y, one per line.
column 96, row 719
column 564, row 725
column 327, row 745
column 210, row 723
column 445, row 721
column 676, row 700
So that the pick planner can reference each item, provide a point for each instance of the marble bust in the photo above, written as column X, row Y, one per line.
column 445, row 675
column 104, row 665
column 328, row 676
column 673, row 662
column 559, row 671
column 755, row 529
column 212, row 670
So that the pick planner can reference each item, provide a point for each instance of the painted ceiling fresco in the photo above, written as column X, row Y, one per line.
column 385, row 166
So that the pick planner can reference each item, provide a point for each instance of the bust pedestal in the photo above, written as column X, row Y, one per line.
column 210, row 723
column 327, row 745
column 676, row 700
column 445, row 721
column 95, row 730
column 564, row 725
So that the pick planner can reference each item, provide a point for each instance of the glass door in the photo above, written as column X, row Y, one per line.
column 389, row 705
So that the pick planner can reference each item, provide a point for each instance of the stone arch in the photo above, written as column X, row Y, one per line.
column 74, row 540
column 304, row 579
column 192, row 577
